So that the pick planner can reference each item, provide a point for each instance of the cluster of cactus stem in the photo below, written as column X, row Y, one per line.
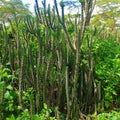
column 80, row 25
column 48, row 61
column 46, row 15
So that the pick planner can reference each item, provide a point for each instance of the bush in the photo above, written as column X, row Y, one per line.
column 107, row 69
column 113, row 115
column 44, row 115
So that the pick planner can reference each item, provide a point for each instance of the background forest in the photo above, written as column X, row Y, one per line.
column 57, row 66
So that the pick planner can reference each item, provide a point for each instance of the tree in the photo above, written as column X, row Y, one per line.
column 12, row 9
column 108, row 13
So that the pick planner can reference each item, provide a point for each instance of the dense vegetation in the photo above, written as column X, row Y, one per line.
column 55, row 66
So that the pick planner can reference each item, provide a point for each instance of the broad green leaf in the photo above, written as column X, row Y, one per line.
column 107, row 104
column 7, row 95
column 45, row 106
column 9, row 87
column 11, row 118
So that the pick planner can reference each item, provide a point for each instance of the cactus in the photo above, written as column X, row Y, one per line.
column 49, row 58
column 46, row 15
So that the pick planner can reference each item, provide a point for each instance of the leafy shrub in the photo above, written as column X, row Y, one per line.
column 44, row 115
column 113, row 115
column 8, row 94
column 107, row 56
column 9, row 100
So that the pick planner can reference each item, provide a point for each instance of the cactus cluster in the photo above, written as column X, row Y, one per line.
column 46, row 53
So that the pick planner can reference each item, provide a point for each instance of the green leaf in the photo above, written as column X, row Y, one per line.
column 114, row 118
column 5, row 74
column 45, row 106
column 11, row 118
column 7, row 95
column 0, row 77
column 107, row 104
column 35, row 117
column 9, row 87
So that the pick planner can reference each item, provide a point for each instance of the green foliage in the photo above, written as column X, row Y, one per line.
column 113, row 115
column 108, row 13
column 1, row 91
column 8, row 94
column 71, row 29
column 13, row 9
column 44, row 115
column 28, row 97
column 2, row 84
column 38, row 50
column 108, row 68
column 9, row 100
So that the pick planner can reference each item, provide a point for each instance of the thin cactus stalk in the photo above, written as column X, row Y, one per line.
column 30, row 25
column 63, row 25
column 20, row 83
column 6, row 43
column 67, row 95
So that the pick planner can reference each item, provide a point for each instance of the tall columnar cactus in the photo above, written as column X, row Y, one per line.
column 79, row 30
column 80, row 25
column 46, row 15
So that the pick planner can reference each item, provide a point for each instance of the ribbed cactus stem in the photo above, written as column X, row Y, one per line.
column 67, row 94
